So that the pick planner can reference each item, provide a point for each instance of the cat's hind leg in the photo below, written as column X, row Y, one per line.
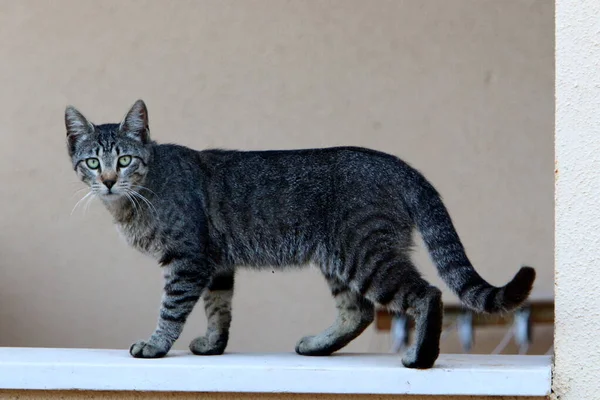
column 355, row 314
column 426, row 309
column 398, row 286
column 217, row 305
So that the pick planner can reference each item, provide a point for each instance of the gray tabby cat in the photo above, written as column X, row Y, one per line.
column 350, row 211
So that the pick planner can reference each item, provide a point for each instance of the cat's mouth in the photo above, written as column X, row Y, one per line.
column 110, row 195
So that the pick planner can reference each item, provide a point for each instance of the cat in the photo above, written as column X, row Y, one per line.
column 351, row 211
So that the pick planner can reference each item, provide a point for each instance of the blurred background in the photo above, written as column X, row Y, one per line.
column 461, row 89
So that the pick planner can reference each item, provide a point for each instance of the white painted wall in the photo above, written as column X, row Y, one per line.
column 577, row 344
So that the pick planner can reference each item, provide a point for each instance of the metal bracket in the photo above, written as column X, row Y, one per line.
column 523, row 328
column 466, row 333
column 400, row 332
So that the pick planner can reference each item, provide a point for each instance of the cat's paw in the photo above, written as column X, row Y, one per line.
column 202, row 346
column 314, row 346
column 412, row 360
column 143, row 349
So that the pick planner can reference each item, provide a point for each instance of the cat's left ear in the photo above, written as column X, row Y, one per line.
column 135, row 124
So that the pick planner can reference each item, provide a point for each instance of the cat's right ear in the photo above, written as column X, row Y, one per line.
column 78, row 127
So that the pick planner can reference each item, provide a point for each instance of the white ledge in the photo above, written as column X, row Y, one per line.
column 79, row 369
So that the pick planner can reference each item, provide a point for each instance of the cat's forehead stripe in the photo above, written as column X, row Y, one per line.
column 106, row 141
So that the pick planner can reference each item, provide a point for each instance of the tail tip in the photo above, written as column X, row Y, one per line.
column 519, row 288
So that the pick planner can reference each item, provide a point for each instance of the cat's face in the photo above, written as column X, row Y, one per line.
column 112, row 159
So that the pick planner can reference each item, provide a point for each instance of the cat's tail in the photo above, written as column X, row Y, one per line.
column 433, row 221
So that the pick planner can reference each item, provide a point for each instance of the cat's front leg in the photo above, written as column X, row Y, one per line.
column 185, row 280
column 217, row 304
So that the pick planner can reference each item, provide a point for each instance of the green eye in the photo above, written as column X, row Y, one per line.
column 124, row 161
column 92, row 163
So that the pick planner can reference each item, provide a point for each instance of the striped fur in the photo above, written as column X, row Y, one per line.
column 351, row 211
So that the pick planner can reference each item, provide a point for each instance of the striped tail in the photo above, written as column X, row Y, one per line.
column 433, row 221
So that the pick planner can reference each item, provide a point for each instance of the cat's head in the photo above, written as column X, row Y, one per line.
column 112, row 159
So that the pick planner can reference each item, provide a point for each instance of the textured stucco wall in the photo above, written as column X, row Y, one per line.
column 577, row 346
column 462, row 89
column 64, row 395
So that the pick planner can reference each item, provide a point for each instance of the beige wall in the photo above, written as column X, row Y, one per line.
column 462, row 89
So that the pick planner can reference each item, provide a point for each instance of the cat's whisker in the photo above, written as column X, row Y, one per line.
column 144, row 199
column 80, row 200
column 143, row 187
column 141, row 196
column 87, row 204
column 79, row 190
column 150, row 205
column 131, row 200
column 136, row 201
column 127, row 197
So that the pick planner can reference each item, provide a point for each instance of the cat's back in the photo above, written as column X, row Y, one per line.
column 306, row 179
column 315, row 161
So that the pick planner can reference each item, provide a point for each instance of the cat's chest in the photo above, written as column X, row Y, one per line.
column 143, row 237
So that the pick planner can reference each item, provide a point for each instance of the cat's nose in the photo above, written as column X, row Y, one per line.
column 109, row 183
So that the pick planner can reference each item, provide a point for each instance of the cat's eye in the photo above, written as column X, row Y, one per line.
column 124, row 161
column 92, row 163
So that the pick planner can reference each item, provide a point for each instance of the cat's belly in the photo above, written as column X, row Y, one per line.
column 276, row 254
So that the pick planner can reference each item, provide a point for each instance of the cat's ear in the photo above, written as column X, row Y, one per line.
column 78, row 127
column 135, row 124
